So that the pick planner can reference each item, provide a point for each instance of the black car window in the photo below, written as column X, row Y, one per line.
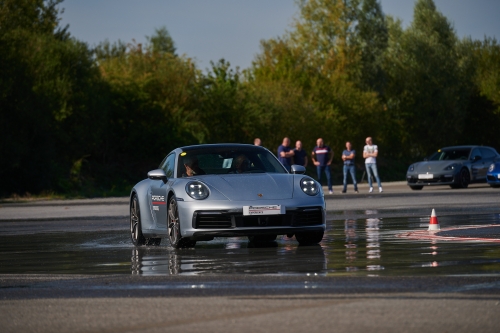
column 168, row 165
column 487, row 153
column 450, row 154
column 222, row 160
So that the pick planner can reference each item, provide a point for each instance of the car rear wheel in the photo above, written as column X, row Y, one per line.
column 309, row 238
column 416, row 187
column 174, row 227
column 136, row 235
column 262, row 238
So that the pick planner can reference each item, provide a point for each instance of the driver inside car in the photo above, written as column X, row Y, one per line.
column 192, row 167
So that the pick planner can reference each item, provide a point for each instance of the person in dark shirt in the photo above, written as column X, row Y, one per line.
column 285, row 154
column 348, row 157
column 322, row 157
column 300, row 155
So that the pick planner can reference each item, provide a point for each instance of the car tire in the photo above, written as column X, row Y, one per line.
column 416, row 188
column 309, row 238
column 463, row 179
column 262, row 238
column 174, row 227
column 136, row 235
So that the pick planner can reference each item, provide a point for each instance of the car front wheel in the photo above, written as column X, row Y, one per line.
column 136, row 235
column 174, row 227
column 463, row 179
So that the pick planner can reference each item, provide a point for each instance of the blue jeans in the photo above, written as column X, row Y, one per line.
column 352, row 170
column 372, row 167
column 326, row 168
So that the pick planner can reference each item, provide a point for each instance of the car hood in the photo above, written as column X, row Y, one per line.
column 259, row 186
column 433, row 166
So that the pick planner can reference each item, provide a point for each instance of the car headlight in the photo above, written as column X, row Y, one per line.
column 451, row 167
column 197, row 190
column 492, row 167
column 309, row 186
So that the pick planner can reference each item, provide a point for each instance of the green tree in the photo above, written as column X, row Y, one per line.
column 162, row 42
column 46, row 78
column 322, row 57
column 428, row 87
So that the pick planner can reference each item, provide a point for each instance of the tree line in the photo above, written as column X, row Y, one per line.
column 92, row 121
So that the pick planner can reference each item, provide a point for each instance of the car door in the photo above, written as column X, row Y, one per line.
column 158, row 193
column 477, row 164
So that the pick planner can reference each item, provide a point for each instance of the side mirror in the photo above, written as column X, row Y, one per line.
column 477, row 158
column 298, row 169
column 157, row 174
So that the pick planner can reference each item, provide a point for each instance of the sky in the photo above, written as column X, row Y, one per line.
column 209, row 30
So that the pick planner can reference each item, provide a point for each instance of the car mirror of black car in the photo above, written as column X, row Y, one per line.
column 157, row 174
column 298, row 169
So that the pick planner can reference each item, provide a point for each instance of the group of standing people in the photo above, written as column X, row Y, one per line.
column 322, row 157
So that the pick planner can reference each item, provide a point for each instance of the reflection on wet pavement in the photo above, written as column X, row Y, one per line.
column 356, row 247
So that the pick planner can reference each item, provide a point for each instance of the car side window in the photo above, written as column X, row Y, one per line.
column 168, row 165
column 475, row 152
column 487, row 153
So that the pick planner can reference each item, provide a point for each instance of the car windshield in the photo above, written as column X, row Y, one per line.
column 227, row 160
column 450, row 154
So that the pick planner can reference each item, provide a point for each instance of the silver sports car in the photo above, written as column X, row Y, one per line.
column 225, row 190
column 455, row 166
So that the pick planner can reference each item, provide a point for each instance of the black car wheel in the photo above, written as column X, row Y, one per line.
column 463, row 179
column 262, row 238
column 174, row 227
column 136, row 235
column 309, row 238
column 416, row 187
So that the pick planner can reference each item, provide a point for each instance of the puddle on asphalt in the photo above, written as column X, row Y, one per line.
column 353, row 247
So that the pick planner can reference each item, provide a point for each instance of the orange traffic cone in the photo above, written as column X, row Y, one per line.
column 434, row 224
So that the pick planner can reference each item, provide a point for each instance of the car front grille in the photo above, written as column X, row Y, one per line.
column 207, row 220
column 436, row 180
column 309, row 216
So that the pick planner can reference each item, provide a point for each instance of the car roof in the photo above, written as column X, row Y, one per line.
column 222, row 146
column 465, row 147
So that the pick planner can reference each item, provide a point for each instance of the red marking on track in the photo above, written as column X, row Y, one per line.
column 431, row 234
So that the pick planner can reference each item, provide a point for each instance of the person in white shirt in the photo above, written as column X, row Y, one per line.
column 370, row 153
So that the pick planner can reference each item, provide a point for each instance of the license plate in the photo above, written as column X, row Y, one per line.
column 264, row 210
column 425, row 176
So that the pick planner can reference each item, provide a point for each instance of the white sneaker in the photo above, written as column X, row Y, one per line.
column 330, row 192
column 380, row 190
column 371, row 190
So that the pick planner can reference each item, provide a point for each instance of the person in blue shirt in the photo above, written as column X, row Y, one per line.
column 348, row 156
column 322, row 157
column 285, row 154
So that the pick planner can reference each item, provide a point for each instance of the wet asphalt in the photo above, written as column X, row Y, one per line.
column 69, row 266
